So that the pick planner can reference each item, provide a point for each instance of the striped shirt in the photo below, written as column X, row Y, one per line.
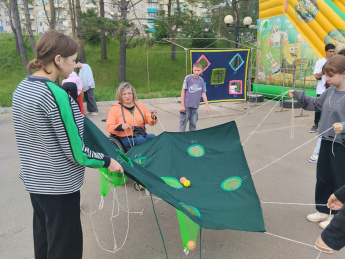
column 49, row 133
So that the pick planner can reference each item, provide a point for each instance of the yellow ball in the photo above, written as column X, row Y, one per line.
column 191, row 245
column 186, row 183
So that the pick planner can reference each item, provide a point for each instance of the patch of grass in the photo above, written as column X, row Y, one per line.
column 163, row 78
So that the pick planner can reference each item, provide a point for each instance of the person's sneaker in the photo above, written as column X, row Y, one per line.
column 94, row 113
column 325, row 223
column 313, row 129
column 313, row 158
column 317, row 217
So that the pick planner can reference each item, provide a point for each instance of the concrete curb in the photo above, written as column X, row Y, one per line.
column 107, row 103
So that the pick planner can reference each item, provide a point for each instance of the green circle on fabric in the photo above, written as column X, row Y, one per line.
column 124, row 158
column 232, row 183
column 140, row 160
column 191, row 210
column 196, row 150
column 173, row 182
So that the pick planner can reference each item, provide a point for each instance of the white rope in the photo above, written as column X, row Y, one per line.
column 292, row 119
column 291, row 151
column 261, row 122
column 319, row 255
column 258, row 107
column 289, row 203
column 333, row 144
column 288, row 239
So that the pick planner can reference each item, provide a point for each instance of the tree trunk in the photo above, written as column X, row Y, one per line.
column 173, row 48
column 72, row 14
column 52, row 23
column 12, row 27
column 15, row 13
column 122, row 54
column 80, row 32
column 103, row 37
column 28, row 25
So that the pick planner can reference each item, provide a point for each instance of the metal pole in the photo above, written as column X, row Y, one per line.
column 236, row 34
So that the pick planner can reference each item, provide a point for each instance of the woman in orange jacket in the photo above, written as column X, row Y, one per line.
column 127, row 119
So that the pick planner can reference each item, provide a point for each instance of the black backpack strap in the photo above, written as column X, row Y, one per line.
column 140, row 113
column 123, row 115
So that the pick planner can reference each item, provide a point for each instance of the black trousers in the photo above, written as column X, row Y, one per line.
column 56, row 226
column 330, row 172
column 317, row 115
column 334, row 234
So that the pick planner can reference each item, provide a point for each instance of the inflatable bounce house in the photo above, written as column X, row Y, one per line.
column 292, row 35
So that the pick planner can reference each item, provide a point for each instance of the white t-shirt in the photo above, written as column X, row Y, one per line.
column 320, row 83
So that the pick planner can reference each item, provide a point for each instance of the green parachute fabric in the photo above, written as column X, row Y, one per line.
column 221, row 195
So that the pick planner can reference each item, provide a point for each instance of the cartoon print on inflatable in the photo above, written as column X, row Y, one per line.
column 306, row 10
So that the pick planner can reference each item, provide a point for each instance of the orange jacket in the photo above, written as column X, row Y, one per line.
column 115, row 118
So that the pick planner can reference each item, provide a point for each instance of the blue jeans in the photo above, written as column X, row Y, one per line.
column 191, row 115
column 128, row 141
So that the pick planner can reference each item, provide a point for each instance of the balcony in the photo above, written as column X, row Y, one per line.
column 152, row 10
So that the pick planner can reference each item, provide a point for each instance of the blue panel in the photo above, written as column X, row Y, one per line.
column 236, row 72
column 152, row 10
column 150, row 21
column 152, row 30
column 1, row 28
column 207, row 20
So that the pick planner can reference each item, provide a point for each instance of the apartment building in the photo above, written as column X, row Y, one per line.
column 141, row 13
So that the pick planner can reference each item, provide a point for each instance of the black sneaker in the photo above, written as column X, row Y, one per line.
column 313, row 129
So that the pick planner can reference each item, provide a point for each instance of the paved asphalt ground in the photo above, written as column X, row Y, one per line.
column 289, row 180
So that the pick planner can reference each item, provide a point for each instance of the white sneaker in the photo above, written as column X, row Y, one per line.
column 317, row 217
column 94, row 113
column 325, row 223
column 314, row 158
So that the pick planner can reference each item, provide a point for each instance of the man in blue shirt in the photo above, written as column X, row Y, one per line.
column 85, row 73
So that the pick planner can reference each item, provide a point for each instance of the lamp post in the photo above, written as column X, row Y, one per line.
column 229, row 20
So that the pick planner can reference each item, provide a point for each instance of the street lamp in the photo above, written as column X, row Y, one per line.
column 228, row 20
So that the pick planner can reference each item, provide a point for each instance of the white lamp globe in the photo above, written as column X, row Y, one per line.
column 228, row 19
column 247, row 21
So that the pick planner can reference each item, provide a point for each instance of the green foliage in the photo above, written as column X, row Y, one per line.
column 165, row 76
column 91, row 26
column 161, row 27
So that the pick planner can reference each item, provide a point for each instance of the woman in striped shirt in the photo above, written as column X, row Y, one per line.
column 49, row 133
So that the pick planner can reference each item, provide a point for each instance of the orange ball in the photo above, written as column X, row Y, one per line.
column 191, row 245
column 182, row 179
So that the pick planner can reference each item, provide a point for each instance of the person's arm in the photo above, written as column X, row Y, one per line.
column 150, row 117
column 337, row 199
column 318, row 70
column 204, row 97
column 63, row 117
column 114, row 125
column 183, row 96
column 307, row 102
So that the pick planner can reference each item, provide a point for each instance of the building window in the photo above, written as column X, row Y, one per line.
column 7, row 13
column 39, row 12
column 152, row 5
column 143, row 16
column 161, row 6
column 152, row 15
column 8, row 24
column 38, row 2
column 143, row 6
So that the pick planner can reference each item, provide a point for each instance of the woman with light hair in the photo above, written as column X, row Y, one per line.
column 127, row 118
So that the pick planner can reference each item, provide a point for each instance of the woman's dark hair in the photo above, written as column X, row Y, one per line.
column 51, row 44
